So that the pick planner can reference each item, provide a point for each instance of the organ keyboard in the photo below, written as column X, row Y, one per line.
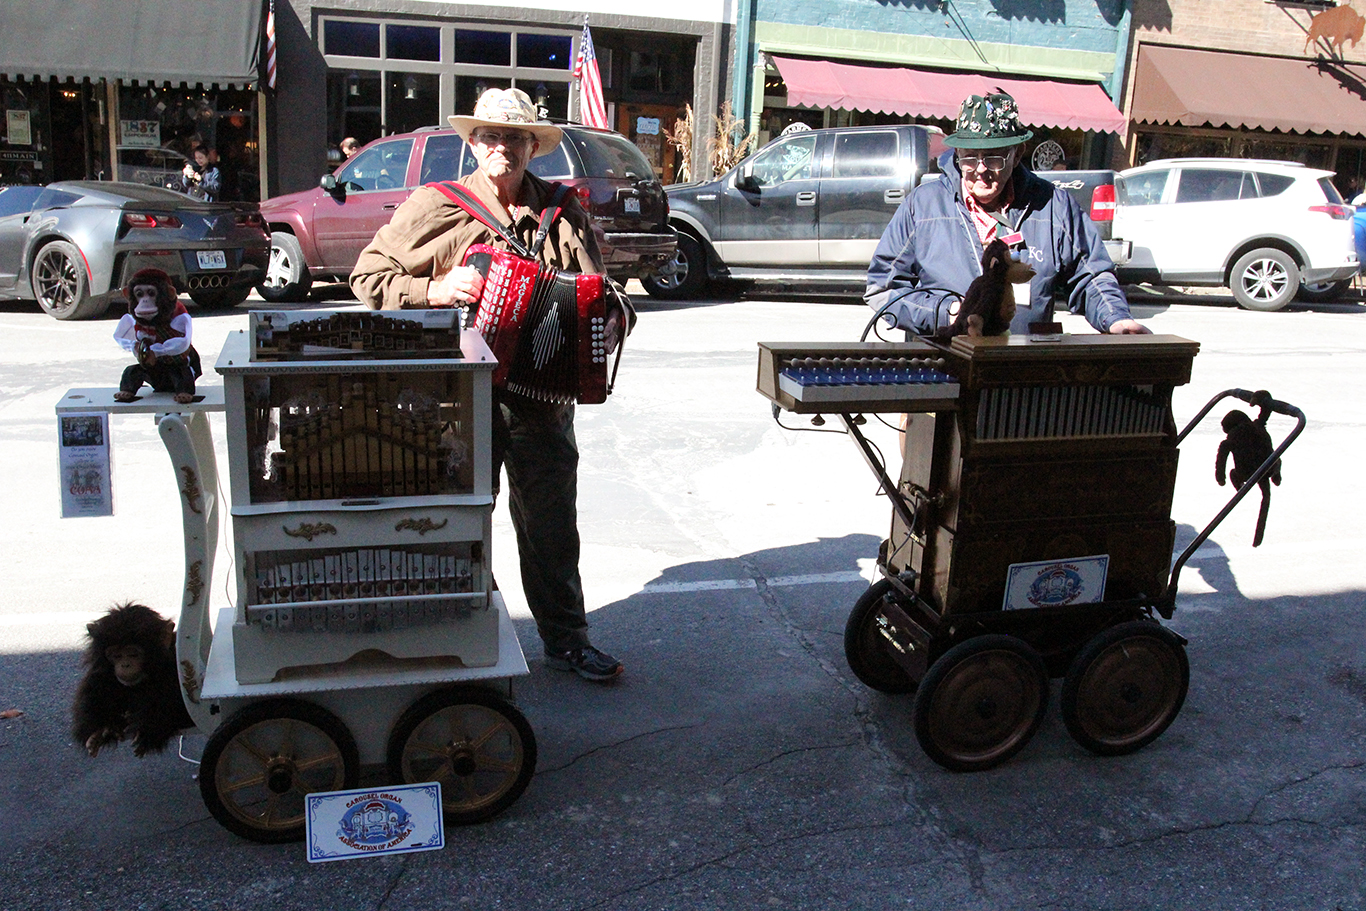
column 870, row 377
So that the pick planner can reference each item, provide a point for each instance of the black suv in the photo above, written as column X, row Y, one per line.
column 318, row 234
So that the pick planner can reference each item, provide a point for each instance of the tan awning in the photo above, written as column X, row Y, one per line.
column 1194, row 88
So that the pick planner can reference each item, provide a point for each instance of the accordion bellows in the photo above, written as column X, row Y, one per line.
column 545, row 327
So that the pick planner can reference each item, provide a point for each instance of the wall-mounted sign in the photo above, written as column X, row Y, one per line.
column 140, row 134
column 17, row 130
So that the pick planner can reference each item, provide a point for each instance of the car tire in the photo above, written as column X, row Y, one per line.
column 690, row 273
column 287, row 277
column 1321, row 292
column 1264, row 279
column 219, row 298
column 61, row 285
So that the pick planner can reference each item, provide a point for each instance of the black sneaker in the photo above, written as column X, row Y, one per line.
column 587, row 662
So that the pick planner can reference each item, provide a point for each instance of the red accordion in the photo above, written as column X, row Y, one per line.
column 546, row 327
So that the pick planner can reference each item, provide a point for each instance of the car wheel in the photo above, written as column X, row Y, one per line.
column 1320, row 292
column 287, row 277
column 1264, row 279
column 60, row 283
column 219, row 298
column 689, row 275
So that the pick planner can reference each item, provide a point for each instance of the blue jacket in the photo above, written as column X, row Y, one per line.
column 931, row 243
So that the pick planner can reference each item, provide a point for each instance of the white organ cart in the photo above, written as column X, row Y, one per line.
column 367, row 631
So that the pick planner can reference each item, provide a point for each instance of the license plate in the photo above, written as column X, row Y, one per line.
column 632, row 205
column 212, row 259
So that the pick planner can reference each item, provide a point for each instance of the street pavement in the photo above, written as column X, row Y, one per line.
column 739, row 764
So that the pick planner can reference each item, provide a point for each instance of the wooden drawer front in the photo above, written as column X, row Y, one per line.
column 353, row 528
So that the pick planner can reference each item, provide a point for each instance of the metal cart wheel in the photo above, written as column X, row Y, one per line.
column 865, row 648
column 259, row 765
column 475, row 743
column 1124, row 687
column 981, row 702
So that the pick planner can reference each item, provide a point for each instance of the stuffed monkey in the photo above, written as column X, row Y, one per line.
column 1250, row 445
column 989, row 304
column 130, row 687
column 157, row 331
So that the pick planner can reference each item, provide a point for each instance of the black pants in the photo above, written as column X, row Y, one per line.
column 174, row 377
column 535, row 442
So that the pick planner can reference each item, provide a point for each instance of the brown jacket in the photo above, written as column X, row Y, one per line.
column 429, row 234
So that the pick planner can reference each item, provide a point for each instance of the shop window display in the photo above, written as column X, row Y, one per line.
column 159, row 128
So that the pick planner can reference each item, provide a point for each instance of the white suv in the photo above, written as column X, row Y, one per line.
column 1265, row 229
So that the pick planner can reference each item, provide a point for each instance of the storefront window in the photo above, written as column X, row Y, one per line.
column 159, row 128
column 487, row 48
column 25, row 136
column 409, row 85
column 345, row 38
column 413, row 42
column 546, row 52
column 413, row 99
column 353, row 106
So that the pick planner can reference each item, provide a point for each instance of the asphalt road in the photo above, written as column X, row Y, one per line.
column 739, row 764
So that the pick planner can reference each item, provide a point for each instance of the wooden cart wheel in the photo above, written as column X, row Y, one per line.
column 981, row 702
column 259, row 765
column 472, row 741
column 865, row 648
column 1124, row 687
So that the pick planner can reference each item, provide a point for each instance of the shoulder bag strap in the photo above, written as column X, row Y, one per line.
column 552, row 212
column 466, row 200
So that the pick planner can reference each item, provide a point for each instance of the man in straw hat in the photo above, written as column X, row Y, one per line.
column 936, row 238
column 415, row 262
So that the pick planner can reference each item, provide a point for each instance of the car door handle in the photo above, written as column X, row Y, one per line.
column 391, row 205
column 806, row 198
column 893, row 196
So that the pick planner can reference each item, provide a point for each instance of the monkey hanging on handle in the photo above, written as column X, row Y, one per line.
column 130, row 688
column 1249, row 443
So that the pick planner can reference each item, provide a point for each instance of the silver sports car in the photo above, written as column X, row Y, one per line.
column 73, row 245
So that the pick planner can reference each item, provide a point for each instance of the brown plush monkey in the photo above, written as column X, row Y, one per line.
column 1250, row 445
column 989, row 305
column 130, row 687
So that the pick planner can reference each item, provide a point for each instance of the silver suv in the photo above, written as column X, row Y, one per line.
column 1267, row 230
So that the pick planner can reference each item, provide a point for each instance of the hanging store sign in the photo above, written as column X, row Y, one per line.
column 140, row 134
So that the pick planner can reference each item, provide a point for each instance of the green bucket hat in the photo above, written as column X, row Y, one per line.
column 988, row 122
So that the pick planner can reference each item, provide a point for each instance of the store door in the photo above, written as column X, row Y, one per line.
column 644, row 125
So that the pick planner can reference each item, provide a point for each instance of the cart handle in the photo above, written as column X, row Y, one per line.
column 1261, row 399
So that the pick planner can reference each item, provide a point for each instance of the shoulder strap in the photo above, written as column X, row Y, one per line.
column 466, row 200
column 552, row 212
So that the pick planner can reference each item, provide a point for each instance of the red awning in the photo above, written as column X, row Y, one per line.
column 922, row 93
column 1194, row 88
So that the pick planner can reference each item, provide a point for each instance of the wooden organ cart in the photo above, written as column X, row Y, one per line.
column 367, row 631
column 1031, row 530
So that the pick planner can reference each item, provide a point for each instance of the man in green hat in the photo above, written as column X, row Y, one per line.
column 932, row 249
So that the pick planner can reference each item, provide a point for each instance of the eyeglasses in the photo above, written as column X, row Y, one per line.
column 507, row 140
column 991, row 162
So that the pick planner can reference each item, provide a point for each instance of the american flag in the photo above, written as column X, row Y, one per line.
column 270, row 46
column 592, row 110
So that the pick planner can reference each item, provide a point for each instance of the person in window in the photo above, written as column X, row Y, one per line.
column 932, row 248
column 415, row 262
column 201, row 178
column 349, row 146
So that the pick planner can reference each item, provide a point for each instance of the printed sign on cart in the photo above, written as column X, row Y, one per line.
column 83, row 462
column 342, row 825
column 1054, row 583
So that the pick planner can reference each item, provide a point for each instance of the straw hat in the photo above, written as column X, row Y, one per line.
column 508, row 108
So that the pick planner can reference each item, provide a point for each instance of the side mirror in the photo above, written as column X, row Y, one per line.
column 329, row 183
column 744, row 178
